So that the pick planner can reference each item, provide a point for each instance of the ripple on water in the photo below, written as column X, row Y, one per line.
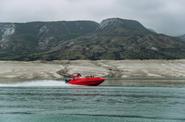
column 89, row 104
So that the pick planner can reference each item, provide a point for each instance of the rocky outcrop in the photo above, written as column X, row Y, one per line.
column 6, row 31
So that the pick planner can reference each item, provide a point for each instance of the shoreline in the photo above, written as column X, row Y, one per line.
column 124, row 71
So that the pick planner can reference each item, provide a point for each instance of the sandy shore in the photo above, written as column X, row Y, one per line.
column 125, row 71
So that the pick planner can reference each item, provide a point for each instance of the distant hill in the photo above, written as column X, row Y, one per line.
column 182, row 37
column 113, row 38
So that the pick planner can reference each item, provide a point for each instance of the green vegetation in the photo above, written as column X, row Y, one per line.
column 111, row 39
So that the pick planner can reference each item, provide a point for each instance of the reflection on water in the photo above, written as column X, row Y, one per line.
column 90, row 104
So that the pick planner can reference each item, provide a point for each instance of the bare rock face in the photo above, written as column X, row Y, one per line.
column 6, row 31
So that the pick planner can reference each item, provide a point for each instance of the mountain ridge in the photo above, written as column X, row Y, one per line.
column 113, row 38
column 182, row 37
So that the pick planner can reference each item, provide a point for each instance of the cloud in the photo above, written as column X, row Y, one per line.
column 165, row 16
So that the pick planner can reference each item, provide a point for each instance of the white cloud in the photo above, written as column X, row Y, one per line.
column 165, row 16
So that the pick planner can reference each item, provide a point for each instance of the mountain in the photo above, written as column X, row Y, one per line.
column 113, row 38
column 18, row 40
column 182, row 37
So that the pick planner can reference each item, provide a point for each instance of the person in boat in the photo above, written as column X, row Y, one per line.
column 73, row 76
column 76, row 75
column 90, row 76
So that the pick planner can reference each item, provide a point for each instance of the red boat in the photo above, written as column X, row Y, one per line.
column 76, row 79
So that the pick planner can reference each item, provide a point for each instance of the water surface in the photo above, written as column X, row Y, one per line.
column 91, row 104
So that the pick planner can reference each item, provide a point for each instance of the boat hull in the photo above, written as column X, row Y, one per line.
column 87, row 81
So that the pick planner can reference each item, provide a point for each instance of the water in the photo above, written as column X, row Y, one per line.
column 37, row 83
column 53, row 103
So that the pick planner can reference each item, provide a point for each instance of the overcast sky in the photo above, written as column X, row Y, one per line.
column 165, row 16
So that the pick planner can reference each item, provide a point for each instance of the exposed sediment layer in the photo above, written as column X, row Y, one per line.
column 12, row 71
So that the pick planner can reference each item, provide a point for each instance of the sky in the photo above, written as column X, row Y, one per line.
column 163, row 16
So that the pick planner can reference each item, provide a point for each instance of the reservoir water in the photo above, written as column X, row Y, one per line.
column 58, row 102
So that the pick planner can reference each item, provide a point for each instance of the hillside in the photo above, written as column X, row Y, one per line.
column 182, row 37
column 113, row 38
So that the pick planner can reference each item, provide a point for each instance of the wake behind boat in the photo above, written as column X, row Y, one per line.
column 77, row 79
